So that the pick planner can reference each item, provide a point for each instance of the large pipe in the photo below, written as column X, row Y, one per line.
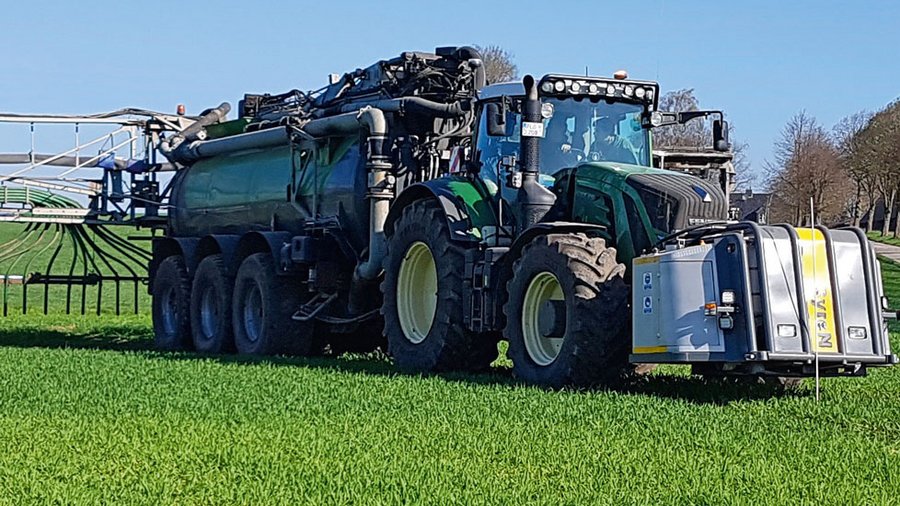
column 381, row 191
column 341, row 124
column 205, row 149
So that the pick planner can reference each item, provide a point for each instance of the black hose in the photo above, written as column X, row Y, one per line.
column 412, row 105
column 171, row 148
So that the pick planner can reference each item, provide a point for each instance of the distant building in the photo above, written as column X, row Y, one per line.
column 751, row 206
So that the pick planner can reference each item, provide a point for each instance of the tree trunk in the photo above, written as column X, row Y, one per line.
column 897, row 226
column 856, row 214
column 868, row 217
column 888, row 212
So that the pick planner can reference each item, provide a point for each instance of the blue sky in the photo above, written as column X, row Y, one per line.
column 759, row 61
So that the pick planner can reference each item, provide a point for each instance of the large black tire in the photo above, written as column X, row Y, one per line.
column 446, row 345
column 171, row 300
column 595, row 340
column 263, row 304
column 211, row 326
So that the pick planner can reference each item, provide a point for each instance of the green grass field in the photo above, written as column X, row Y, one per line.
column 90, row 414
column 887, row 239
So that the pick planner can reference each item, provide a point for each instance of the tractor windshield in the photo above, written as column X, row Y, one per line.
column 575, row 131
column 585, row 130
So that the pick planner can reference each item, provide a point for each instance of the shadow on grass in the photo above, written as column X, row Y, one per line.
column 129, row 338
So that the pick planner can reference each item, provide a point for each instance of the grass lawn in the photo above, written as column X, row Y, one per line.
column 887, row 239
column 90, row 414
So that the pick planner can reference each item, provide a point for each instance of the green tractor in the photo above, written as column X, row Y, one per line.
column 534, row 241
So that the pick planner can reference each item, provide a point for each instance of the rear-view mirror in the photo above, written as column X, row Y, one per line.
column 720, row 135
column 496, row 120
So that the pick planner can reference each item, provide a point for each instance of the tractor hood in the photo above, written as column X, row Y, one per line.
column 672, row 200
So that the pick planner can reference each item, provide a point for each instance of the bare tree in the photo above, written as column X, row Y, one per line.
column 807, row 166
column 498, row 64
column 693, row 134
column 849, row 141
column 697, row 133
column 879, row 149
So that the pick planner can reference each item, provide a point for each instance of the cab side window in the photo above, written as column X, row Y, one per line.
column 491, row 150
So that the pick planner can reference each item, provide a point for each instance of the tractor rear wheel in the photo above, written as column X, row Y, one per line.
column 567, row 313
column 171, row 299
column 262, row 308
column 211, row 307
column 423, row 292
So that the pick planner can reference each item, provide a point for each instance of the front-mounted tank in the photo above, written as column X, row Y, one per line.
column 751, row 299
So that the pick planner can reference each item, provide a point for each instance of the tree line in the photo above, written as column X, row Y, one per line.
column 848, row 172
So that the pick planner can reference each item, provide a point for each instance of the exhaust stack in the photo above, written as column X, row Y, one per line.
column 533, row 200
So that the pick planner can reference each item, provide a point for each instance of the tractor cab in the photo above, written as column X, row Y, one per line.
column 595, row 155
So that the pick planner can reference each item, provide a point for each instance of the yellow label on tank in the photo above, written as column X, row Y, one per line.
column 649, row 349
column 818, row 289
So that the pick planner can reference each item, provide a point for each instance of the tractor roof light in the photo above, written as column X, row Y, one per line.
column 569, row 86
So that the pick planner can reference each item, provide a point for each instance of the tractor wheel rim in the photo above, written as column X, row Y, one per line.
column 541, row 349
column 253, row 313
column 169, row 311
column 417, row 292
column 209, row 312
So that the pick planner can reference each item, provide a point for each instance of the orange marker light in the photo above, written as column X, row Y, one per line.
column 180, row 109
column 621, row 74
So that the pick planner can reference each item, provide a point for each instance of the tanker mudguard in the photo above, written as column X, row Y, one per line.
column 226, row 244
column 466, row 207
column 164, row 247
column 262, row 242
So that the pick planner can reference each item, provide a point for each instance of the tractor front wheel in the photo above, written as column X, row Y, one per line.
column 567, row 313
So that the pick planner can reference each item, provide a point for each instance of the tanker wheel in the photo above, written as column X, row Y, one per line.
column 423, row 287
column 567, row 317
column 261, row 311
column 171, row 299
column 211, row 307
